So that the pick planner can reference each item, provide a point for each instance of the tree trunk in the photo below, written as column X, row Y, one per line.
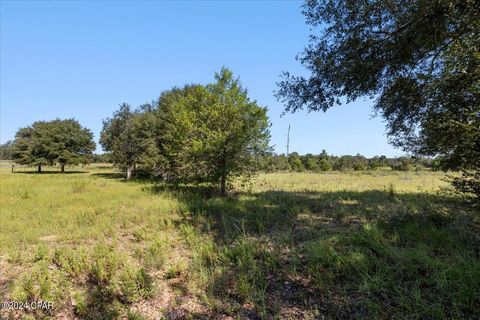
column 223, row 179
column 223, row 189
column 129, row 172
column 63, row 167
column 39, row 169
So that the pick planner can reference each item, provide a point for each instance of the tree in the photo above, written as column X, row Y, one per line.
column 212, row 133
column 309, row 162
column 48, row 143
column 420, row 59
column 26, row 149
column 324, row 165
column 128, row 135
column 181, row 151
column 6, row 150
column 402, row 164
column 238, row 134
column 280, row 163
column 68, row 142
column 295, row 162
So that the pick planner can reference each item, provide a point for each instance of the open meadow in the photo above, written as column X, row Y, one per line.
column 372, row 244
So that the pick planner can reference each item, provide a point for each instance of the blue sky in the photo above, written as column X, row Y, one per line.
column 81, row 59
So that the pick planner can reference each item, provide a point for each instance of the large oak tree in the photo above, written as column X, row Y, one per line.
column 53, row 142
column 419, row 60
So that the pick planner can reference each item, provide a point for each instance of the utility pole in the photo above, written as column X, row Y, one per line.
column 288, row 140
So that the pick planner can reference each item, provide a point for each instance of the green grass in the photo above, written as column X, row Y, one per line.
column 359, row 245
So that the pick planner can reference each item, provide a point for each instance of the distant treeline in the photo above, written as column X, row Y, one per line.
column 298, row 162
column 325, row 162
column 308, row 162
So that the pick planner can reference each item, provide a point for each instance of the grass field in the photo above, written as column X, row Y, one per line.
column 355, row 245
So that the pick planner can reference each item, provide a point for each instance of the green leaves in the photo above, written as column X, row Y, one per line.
column 52, row 142
column 419, row 58
column 214, row 132
column 208, row 133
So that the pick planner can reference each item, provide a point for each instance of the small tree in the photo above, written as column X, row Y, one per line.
column 181, row 150
column 238, row 131
column 6, row 150
column 128, row 136
column 324, row 165
column 295, row 162
column 310, row 162
column 212, row 133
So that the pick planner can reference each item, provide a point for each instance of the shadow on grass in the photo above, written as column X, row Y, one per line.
column 342, row 254
column 121, row 177
column 338, row 255
column 104, row 167
column 111, row 175
column 50, row 172
column 266, row 212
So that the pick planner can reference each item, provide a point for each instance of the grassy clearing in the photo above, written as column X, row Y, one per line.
column 289, row 245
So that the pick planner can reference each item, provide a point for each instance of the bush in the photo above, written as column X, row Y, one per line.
column 116, row 282
column 324, row 165
column 468, row 183
column 41, row 283
column 155, row 255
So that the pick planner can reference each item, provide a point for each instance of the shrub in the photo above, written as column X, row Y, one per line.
column 155, row 255
column 324, row 165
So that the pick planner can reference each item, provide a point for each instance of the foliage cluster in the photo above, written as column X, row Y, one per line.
column 207, row 133
column 325, row 162
column 53, row 142
column 420, row 59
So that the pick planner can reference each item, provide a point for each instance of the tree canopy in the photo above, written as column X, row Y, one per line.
column 53, row 142
column 418, row 59
column 6, row 150
column 210, row 133
column 213, row 132
column 117, row 137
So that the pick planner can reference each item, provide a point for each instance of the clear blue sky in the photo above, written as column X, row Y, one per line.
column 80, row 59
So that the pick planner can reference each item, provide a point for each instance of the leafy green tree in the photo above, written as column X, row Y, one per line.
column 419, row 58
column 48, row 143
column 281, row 163
column 129, row 137
column 67, row 142
column 181, row 151
column 26, row 149
column 275, row 162
column 324, row 165
column 311, row 164
column 402, row 164
column 6, row 150
column 212, row 133
column 295, row 162
column 237, row 132
column 144, row 135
